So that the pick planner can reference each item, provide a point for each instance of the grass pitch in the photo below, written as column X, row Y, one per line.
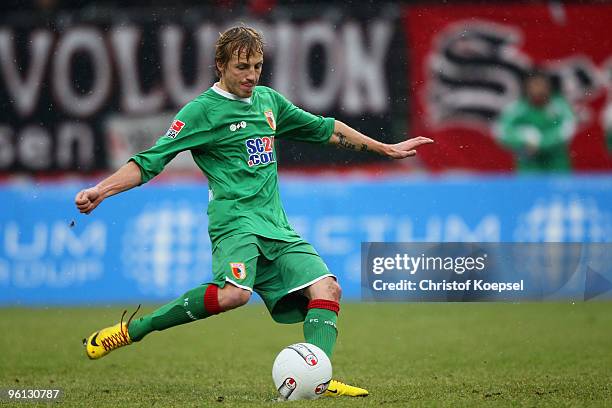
column 416, row 355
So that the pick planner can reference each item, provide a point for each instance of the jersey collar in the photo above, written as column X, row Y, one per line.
column 228, row 95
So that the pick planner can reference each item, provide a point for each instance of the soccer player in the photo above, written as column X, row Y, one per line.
column 538, row 127
column 230, row 130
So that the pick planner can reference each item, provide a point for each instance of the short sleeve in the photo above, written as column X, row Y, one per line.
column 294, row 123
column 187, row 131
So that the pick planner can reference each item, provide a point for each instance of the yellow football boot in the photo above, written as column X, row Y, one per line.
column 102, row 342
column 337, row 388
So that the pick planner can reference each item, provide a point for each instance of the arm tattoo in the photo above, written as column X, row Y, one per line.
column 344, row 143
column 364, row 147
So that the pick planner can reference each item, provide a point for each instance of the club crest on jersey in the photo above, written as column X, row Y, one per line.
column 270, row 118
column 260, row 150
column 238, row 270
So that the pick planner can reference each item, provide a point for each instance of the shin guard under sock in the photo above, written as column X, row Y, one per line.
column 320, row 324
column 198, row 303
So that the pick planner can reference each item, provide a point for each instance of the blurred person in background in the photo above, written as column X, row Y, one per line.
column 538, row 127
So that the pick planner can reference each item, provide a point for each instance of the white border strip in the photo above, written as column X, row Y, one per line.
column 312, row 282
column 292, row 290
column 237, row 285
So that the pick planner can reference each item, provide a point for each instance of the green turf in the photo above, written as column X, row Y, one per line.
column 413, row 355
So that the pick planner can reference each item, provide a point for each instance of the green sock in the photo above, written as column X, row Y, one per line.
column 185, row 309
column 320, row 329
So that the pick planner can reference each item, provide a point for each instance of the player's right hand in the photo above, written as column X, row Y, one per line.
column 407, row 148
column 88, row 199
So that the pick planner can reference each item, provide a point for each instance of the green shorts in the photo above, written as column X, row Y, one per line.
column 275, row 270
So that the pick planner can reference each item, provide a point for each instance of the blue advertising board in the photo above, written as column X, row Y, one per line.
column 150, row 244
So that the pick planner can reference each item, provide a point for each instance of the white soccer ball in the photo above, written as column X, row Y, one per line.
column 301, row 371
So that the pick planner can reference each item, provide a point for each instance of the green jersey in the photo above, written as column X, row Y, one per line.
column 548, row 129
column 232, row 142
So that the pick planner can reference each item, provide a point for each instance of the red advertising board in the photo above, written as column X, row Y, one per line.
column 466, row 62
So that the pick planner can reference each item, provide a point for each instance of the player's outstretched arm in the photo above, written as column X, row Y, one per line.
column 127, row 177
column 348, row 138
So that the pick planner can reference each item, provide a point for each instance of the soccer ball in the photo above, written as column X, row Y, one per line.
column 301, row 371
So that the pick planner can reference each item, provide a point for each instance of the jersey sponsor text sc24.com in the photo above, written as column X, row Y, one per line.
column 260, row 150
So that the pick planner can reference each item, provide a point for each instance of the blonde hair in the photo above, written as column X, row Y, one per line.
column 237, row 40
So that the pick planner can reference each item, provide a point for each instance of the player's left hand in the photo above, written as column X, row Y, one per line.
column 407, row 148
